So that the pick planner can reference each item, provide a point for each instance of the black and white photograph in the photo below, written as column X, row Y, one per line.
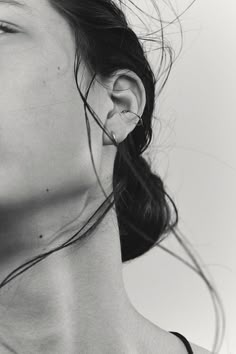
column 117, row 177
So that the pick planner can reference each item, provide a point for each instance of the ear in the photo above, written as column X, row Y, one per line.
column 127, row 92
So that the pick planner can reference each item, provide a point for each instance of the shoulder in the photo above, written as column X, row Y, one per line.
column 176, row 345
column 156, row 340
column 195, row 348
column 199, row 350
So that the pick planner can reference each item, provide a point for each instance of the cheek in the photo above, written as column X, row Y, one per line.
column 42, row 152
column 31, row 80
column 43, row 135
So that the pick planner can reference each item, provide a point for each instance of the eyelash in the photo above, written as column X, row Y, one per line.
column 6, row 28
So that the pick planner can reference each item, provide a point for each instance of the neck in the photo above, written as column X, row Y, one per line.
column 72, row 301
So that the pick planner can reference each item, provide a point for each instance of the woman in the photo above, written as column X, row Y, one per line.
column 71, row 297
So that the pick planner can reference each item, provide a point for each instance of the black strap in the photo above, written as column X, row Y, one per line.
column 184, row 340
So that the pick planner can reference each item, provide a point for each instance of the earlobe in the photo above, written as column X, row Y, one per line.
column 120, row 130
column 117, row 126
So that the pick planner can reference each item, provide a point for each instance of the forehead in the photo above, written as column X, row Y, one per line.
column 25, row 5
column 37, row 13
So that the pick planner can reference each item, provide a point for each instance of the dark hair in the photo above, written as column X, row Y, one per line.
column 146, row 213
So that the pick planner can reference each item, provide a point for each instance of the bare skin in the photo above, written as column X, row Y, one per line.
column 75, row 300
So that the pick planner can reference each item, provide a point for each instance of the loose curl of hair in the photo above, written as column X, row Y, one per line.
column 146, row 213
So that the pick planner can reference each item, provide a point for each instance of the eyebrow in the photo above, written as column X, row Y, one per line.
column 13, row 3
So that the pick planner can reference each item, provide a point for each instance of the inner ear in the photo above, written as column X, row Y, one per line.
column 128, row 92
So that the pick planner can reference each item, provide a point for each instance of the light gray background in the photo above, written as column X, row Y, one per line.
column 196, row 155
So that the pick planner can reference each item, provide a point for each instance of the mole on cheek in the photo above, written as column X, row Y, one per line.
column 41, row 236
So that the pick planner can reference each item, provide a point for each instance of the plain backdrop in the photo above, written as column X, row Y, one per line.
column 195, row 152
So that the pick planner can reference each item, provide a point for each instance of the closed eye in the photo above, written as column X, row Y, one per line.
column 6, row 28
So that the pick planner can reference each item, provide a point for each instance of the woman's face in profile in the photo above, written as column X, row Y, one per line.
column 43, row 137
